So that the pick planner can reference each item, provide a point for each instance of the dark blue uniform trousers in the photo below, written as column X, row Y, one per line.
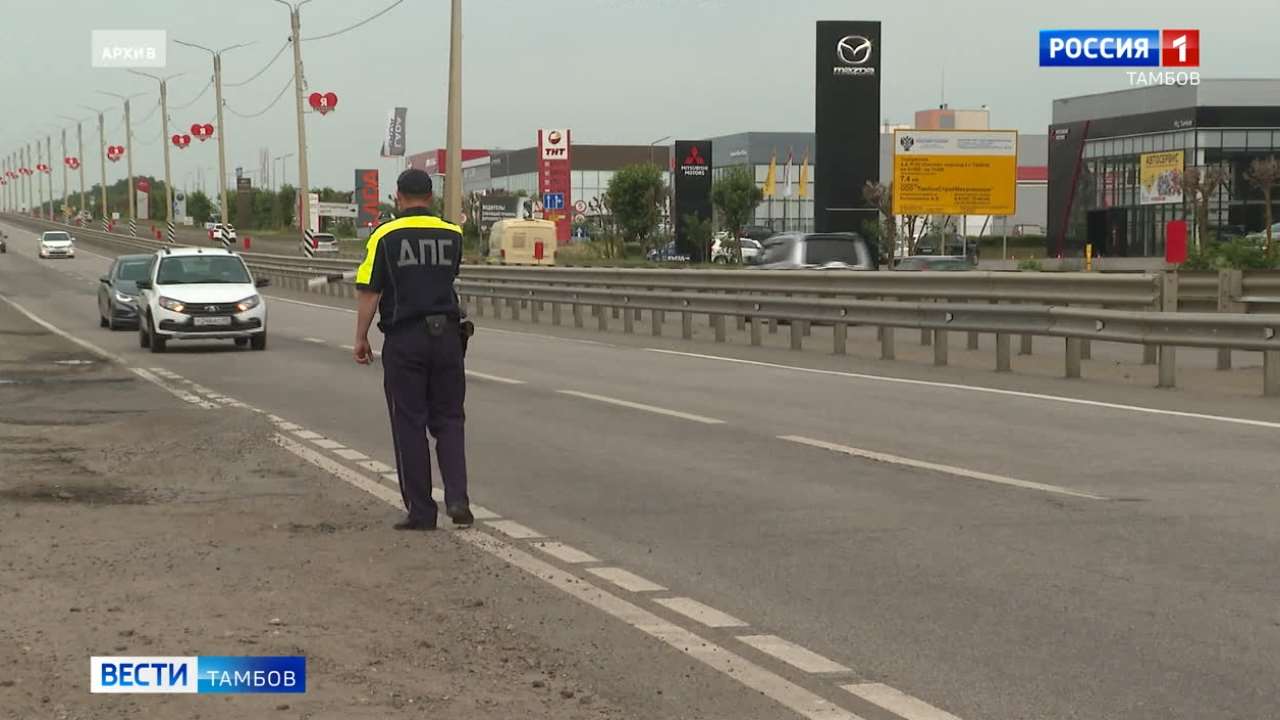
column 425, row 383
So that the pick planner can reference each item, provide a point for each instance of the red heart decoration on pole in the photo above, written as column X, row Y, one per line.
column 176, row 140
column 186, row 140
column 315, row 99
column 208, row 132
column 196, row 129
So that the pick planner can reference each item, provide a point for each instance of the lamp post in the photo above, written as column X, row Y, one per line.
column 164, row 140
column 102, row 158
column 453, row 125
column 222, row 152
column 128, row 156
column 655, row 142
column 304, row 195
column 79, row 154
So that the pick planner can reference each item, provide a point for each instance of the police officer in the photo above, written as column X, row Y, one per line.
column 407, row 277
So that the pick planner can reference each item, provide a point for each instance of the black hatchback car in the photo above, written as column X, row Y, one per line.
column 118, row 291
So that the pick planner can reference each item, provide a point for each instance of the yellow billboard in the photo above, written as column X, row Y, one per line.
column 1160, row 178
column 955, row 172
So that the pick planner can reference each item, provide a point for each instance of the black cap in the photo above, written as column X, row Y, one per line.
column 414, row 182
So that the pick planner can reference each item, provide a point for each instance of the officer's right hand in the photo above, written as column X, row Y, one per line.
column 362, row 352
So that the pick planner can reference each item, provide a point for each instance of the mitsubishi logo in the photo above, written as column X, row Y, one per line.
column 695, row 157
column 853, row 50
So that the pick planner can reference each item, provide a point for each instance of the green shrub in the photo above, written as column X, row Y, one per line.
column 1030, row 265
column 578, row 253
column 1237, row 254
column 632, row 250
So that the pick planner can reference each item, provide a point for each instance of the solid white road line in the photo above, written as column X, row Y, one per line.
column 936, row 467
column 375, row 467
column 625, row 580
column 483, row 513
column 978, row 388
column 493, row 378
column 317, row 341
column 898, row 702
column 792, row 654
column 704, row 614
column 349, row 454
column 308, row 434
column 564, row 553
column 311, row 305
column 328, row 444
column 640, row 406
column 513, row 529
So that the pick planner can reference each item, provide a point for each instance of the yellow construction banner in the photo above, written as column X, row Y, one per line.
column 955, row 172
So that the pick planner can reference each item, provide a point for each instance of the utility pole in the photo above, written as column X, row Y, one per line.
column 164, row 140
column 31, row 204
column 65, row 192
column 453, row 129
column 48, row 163
column 102, row 159
column 39, row 185
column 222, row 151
column 304, row 188
column 128, row 159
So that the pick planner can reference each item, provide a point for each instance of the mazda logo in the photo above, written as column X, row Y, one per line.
column 853, row 50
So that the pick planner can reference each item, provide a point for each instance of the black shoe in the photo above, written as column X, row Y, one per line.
column 461, row 515
column 411, row 524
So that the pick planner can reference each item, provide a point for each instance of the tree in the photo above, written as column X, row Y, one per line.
column 736, row 196
column 698, row 233
column 288, row 199
column 635, row 196
column 1198, row 185
column 1264, row 174
column 880, row 196
column 199, row 207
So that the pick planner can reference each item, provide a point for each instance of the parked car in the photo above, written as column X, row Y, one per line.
column 722, row 250
column 325, row 244
column 819, row 251
column 667, row 253
column 200, row 294
column 118, row 290
column 56, row 243
column 934, row 262
column 1260, row 237
column 214, row 233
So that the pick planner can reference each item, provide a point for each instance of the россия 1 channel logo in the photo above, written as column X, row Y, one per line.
column 1168, row 48
column 223, row 674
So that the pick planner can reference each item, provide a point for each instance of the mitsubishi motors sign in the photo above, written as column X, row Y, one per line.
column 554, row 180
column 692, row 191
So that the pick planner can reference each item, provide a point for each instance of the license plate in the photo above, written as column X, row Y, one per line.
column 202, row 321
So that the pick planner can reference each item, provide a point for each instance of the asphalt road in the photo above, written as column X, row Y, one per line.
column 995, row 555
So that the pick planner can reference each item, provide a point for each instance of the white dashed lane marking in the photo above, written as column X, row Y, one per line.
column 565, row 553
column 493, row 378
column 704, row 614
column 349, row 454
column 513, row 529
column 317, row 341
column 641, row 406
column 375, row 466
column 898, row 702
column 938, row 468
column 307, row 434
column 625, row 579
column 792, row 654
column 328, row 444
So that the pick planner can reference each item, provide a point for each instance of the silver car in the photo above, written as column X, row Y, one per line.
column 819, row 251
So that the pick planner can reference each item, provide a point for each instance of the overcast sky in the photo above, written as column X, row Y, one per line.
column 615, row 71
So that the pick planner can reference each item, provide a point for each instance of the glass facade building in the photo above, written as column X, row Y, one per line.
column 1096, row 149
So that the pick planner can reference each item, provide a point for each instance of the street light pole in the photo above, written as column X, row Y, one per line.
column 453, row 127
column 164, row 140
column 304, row 194
column 128, row 159
column 222, row 151
column 48, row 161
column 39, row 185
column 65, row 204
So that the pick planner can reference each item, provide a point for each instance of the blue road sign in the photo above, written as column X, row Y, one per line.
column 553, row 201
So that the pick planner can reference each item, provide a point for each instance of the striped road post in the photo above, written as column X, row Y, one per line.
column 169, row 233
column 133, row 227
column 106, row 224
column 225, row 237
column 308, row 243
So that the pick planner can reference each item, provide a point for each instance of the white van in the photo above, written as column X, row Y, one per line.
column 523, row 242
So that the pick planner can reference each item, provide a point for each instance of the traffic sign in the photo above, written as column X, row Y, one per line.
column 580, row 206
column 553, row 201
column 463, row 219
column 579, row 217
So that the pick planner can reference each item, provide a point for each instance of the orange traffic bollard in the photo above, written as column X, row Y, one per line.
column 247, row 241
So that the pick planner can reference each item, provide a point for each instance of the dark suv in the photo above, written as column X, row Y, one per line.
column 819, row 251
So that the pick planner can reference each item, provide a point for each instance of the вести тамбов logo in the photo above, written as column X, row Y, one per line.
column 1172, row 54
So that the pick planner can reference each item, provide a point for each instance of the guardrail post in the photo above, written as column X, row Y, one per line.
column 555, row 314
column 1230, row 287
column 638, row 316
column 577, row 315
column 497, row 308
column 887, row 349
column 1086, row 349
column 686, row 325
column 840, row 337
column 1026, row 348
column 1073, row 357
column 628, row 321
column 1168, row 353
column 1271, row 373
column 755, row 331
column 655, row 322
column 616, row 312
column 718, row 323
column 741, row 321
column 773, row 326
column 602, row 319
column 806, row 327
column 534, row 307
column 797, row 336
column 1003, row 363
column 973, row 340
column 515, row 308
column 926, row 337
column 479, row 303
column 940, row 347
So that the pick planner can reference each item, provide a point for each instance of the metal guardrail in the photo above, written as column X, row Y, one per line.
column 1003, row 304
